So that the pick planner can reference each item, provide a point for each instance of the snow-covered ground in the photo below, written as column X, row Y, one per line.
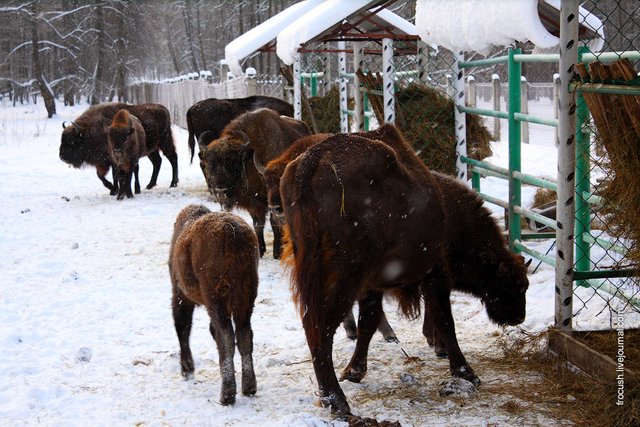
column 86, row 330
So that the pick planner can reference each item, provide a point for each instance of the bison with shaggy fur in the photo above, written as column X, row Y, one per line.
column 362, row 222
column 214, row 114
column 127, row 143
column 479, row 260
column 213, row 262
column 84, row 141
column 229, row 168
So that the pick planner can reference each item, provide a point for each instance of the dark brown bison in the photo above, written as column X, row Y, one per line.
column 479, row 260
column 271, row 175
column 127, row 143
column 230, row 171
column 214, row 262
column 85, row 140
column 363, row 223
column 214, row 114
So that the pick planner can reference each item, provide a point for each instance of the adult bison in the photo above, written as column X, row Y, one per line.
column 214, row 114
column 363, row 223
column 85, row 140
column 229, row 169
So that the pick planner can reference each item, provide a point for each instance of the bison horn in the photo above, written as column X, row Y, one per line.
column 63, row 125
column 243, row 136
column 259, row 166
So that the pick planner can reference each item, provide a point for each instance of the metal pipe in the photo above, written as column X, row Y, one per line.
column 388, row 71
column 565, row 213
column 460, row 118
column 515, row 134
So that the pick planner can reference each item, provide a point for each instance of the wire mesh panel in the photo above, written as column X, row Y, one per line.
column 608, row 158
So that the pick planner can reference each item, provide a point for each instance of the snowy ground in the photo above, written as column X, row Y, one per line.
column 85, row 275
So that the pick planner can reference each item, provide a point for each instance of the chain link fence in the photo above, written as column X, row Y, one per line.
column 606, row 207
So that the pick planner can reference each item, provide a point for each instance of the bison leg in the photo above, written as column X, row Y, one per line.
column 156, row 161
column 349, row 325
column 277, row 237
column 433, row 339
column 137, row 180
column 386, row 330
column 225, row 341
column 102, row 171
column 321, row 354
column 436, row 292
column 172, row 156
column 245, row 347
column 258, row 226
column 182, row 317
column 368, row 320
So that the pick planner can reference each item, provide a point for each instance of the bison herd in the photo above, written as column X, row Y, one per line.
column 356, row 217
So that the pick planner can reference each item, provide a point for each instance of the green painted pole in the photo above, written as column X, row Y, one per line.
column 314, row 84
column 583, row 175
column 515, row 190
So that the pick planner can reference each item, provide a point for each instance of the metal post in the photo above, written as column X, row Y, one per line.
column 524, row 108
column 565, row 215
column 460, row 118
column 497, row 94
column 358, row 64
column 297, row 88
column 472, row 97
column 344, row 83
column 583, row 180
column 314, row 83
column 515, row 133
column 556, row 91
column 326, row 68
column 423, row 62
column 388, row 72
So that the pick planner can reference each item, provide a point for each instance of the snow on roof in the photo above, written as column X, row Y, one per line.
column 331, row 14
column 257, row 37
column 478, row 25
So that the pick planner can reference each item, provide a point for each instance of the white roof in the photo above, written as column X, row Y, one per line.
column 478, row 25
column 257, row 37
column 330, row 14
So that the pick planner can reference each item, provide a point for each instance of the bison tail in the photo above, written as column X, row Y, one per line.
column 409, row 299
column 305, row 241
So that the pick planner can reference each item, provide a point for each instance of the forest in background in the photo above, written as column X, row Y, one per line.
column 67, row 49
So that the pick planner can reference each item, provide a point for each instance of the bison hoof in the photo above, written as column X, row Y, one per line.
column 150, row 186
column 113, row 192
column 353, row 375
column 466, row 373
column 392, row 339
column 174, row 184
column 229, row 399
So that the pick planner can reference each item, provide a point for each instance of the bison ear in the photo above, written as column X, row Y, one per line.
column 503, row 269
column 131, row 131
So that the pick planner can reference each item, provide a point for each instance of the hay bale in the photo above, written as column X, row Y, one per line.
column 426, row 118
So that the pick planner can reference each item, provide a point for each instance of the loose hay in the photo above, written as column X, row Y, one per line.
column 617, row 118
column 557, row 390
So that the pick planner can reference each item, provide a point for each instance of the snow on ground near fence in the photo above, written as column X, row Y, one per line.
column 86, row 330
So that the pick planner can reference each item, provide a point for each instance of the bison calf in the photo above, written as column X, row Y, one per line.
column 126, row 142
column 214, row 262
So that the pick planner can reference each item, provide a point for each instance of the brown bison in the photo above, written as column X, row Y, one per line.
column 271, row 175
column 230, row 171
column 214, row 114
column 479, row 260
column 214, row 262
column 127, row 143
column 85, row 140
column 363, row 223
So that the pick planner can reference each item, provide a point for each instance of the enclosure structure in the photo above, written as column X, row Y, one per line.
column 590, row 252
column 363, row 39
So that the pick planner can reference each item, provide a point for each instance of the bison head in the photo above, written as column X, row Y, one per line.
column 118, row 137
column 223, row 163
column 74, row 147
column 505, row 301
